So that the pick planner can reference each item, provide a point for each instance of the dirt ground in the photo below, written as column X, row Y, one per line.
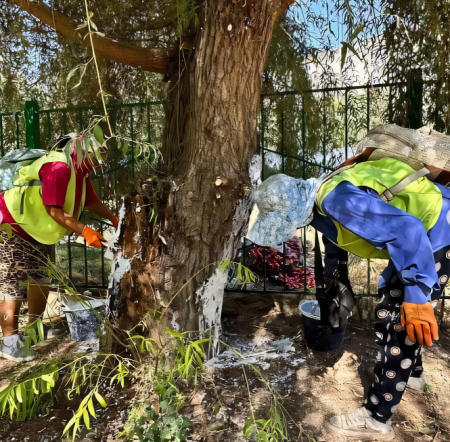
column 311, row 385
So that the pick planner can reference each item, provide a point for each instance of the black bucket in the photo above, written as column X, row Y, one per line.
column 318, row 336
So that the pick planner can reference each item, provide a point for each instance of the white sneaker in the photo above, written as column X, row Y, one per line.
column 416, row 383
column 13, row 349
column 360, row 425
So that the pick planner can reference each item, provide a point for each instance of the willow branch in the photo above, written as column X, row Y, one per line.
column 152, row 60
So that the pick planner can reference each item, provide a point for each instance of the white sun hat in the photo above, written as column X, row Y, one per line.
column 282, row 204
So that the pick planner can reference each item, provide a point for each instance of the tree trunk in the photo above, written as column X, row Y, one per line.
column 211, row 140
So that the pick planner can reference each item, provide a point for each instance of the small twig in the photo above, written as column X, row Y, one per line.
column 249, row 396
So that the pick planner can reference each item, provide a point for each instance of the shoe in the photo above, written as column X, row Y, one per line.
column 360, row 425
column 13, row 349
column 416, row 383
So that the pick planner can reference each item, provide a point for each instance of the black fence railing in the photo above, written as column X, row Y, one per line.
column 301, row 134
column 304, row 135
column 135, row 122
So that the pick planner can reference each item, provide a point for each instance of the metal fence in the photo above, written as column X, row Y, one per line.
column 136, row 122
column 301, row 134
column 304, row 135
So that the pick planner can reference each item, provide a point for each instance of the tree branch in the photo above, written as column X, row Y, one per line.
column 152, row 60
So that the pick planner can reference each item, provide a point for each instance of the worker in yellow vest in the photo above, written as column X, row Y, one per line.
column 49, row 196
column 358, row 211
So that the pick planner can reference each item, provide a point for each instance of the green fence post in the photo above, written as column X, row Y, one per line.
column 32, row 130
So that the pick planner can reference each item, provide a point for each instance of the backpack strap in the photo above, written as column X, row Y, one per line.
column 389, row 194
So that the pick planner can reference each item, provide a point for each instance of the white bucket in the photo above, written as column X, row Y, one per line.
column 85, row 318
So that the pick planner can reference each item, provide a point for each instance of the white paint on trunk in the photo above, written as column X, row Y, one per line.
column 255, row 170
column 121, row 264
column 210, row 297
column 111, row 246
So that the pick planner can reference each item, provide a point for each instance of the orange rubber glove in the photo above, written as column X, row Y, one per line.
column 115, row 222
column 92, row 237
column 419, row 322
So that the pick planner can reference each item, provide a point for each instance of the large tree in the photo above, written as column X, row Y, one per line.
column 214, row 69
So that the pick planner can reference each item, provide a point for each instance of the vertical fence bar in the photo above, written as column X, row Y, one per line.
column 265, row 268
column 80, row 119
column 282, row 141
column 324, row 140
column 304, row 260
column 16, row 118
column 303, row 139
column 32, row 129
column 49, row 126
column 86, row 278
column 368, row 108
column 368, row 128
column 149, row 127
column 1, row 136
column 69, row 252
column 64, row 119
column 284, row 267
column 263, row 122
column 304, row 177
column 132, row 141
column 346, row 123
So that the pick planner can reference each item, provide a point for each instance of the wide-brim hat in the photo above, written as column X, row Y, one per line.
column 282, row 204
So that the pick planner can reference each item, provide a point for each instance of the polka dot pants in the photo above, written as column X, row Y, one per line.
column 398, row 357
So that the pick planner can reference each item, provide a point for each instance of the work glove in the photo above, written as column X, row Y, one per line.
column 419, row 322
column 115, row 222
column 93, row 238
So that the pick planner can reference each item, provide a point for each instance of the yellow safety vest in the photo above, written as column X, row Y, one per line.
column 25, row 201
column 421, row 199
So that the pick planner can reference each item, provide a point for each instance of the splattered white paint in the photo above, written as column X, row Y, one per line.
column 210, row 297
column 121, row 265
column 255, row 170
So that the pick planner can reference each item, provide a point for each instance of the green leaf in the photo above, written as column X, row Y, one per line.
column 249, row 427
column 174, row 333
column 356, row 32
column 100, row 399
column 343, row 54
column 40, row 327
column 349, row 46
column 71, row 73
column 425, row 431
column 216, row 409
column 19, row 393
column 86, row 419
column 262, row 436
column 49, row 379
column 224, row 264
column 69, row 424
column 218, row 428
column 98, row 134
column 79, row 149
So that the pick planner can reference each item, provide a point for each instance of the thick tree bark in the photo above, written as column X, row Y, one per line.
column 211, row 140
